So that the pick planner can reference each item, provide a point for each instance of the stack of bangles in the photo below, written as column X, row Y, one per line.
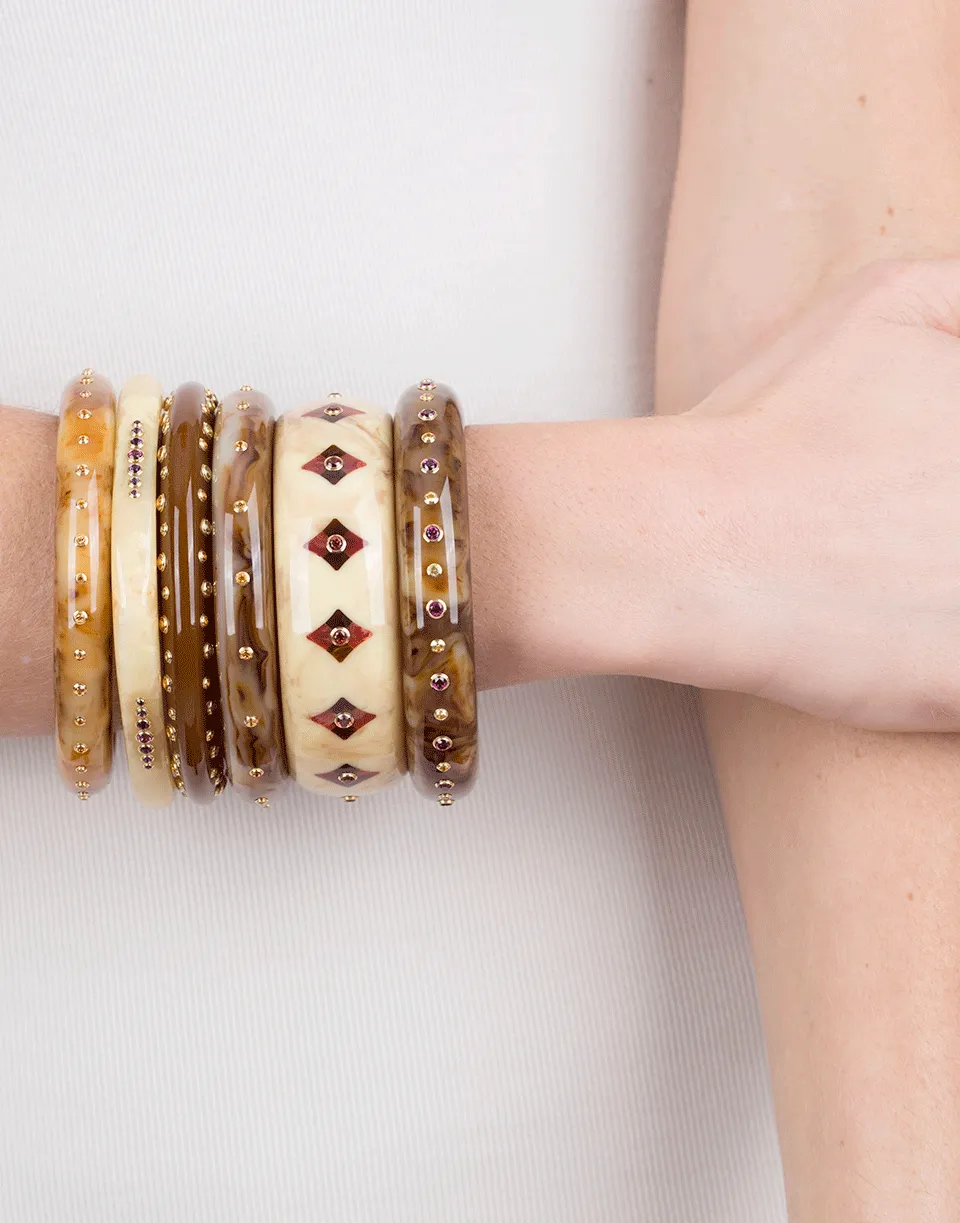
column 277, row 599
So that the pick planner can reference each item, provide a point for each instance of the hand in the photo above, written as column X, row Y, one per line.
column 835, row 568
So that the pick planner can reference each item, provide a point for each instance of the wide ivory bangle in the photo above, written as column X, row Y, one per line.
column 436, row 611
column 83, row 613
column 246, row 621
column 335, row 560
column 136, row 645
column 191, row 683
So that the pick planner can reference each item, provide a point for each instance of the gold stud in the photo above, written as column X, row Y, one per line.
column 431, row 499
column 168, row 655
column 240, row 446
column 206, row 472
column 161, row 456
column 85, row 394
column 83, row 440
column 78, row 721
column 164, row 529
column 242, row 578
column 210, row 707
column 444, row 766
column 83, row 796
column 80, row 749
column 202, row 557
column 206, row 588
column 204, row 444
column 255, row 773
column 83, row 785
column 81, row 469
column 428, row 438
column 240, row 507
column 172, row 714
column 251, row 720
column 201, row 494
column 79, row 655
column 161, row 503
column 79, row 768
column 84, row 414
column 164, row 624
column 207, row 429
column 165, row 592
column 434, row 570
column 350, row 798
column 446, row 800
column 262, row 801
column 208, row 649
column 164, row 472
column 167, row 684
column 205, row 682
column 242, row 405
column 81, row 540
column 246, row 387
column 245, row 652
column 209, row 736
column 162, row 561
column 438, row 645
column 80, row 617
column 206, row 526
column 204, row 620
column 441, row 715
column 171, row 732
column 81, row 504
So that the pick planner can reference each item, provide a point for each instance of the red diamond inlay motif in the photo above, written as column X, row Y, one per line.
column 335, row 543
column 348, row 775
column 343, row 718
column 339, row 636
column 333, row 464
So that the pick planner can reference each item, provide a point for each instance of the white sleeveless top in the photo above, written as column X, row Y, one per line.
column 539, row 1007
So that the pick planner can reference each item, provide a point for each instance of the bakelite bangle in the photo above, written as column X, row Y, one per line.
column 83, row 612
column 135, row 595
column 436, row 612
column 336, row 597
column 191, row 682
column 246, row 620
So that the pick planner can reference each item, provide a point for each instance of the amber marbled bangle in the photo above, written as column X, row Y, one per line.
column 246, row 620
column 83, row 615
column 191, row 682
column 436, row 611
column 336, row 576
column 135, row 593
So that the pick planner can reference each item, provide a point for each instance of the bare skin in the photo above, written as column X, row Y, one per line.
column 817, row 137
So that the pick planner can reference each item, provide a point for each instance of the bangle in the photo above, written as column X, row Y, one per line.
column 83, row 614
column 436, row 612
column 246, row 621
column 337, row 610
column 191, row 684
column 136, row 645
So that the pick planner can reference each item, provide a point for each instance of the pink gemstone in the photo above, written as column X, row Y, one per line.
column 429, row 466
column 135, row 469
column 134, row 454
column 440, row 682
column 336, row 543
column 436, row 608
column 433, row 534
column 443, row 743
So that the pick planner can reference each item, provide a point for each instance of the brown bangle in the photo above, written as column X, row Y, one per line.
column 191, row 684
column 246, row 620
column 83, row 617
column 436, row 612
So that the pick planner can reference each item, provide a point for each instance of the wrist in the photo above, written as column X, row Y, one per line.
column 592, row 549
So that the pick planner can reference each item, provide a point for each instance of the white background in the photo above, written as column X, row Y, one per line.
column 534, row 1008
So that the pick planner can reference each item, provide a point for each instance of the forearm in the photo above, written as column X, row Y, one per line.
column 817, row 137
column 578, row 566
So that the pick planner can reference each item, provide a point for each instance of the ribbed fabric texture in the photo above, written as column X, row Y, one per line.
column 536, row 1007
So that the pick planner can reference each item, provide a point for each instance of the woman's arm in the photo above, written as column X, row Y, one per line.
column 818, row 136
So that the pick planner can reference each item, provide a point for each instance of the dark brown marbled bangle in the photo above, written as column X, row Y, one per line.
column 246, row 616
column 436, row 611
column 191, row 683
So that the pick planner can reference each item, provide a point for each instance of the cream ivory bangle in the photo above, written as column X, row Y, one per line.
column 136, row 639
column 336, row 589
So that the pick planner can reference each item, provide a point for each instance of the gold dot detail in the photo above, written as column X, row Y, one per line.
column 78, row 721
column 79, row 768
column 350, row 798
column 263, row 802
column 242, row 578
column 208, row 650
column 81, row 540
column 79, row 655
column 245, row 653
column 81, row 470
column 80, row 749
column 251, row 720
column 240, row 507
column 201, row 494
column 240, row 446
column 206, row 472
column 431, row 499
column 243, row 405
column 164, row 624
column 446, row 800
column 206, row 526
column 83, row 440
column 81, row 504
column 444, row 766
column 202, row 556
column 80, row 617
column 81, row 579
column 162, row 561
column 204, row 620
column 205, row 682
column 434, row 570
column 428, row 438
column 438, row 645
column 206, row 588
column 441, row 715
column 255, row 773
